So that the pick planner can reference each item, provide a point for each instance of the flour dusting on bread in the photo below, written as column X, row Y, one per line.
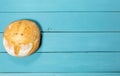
column 25, row 49
column 9, row 49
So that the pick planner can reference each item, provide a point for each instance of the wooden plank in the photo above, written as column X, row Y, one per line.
column 77, row 42
column 59, row 5
column 67, row 21
column 61, row 62
column 59, row 74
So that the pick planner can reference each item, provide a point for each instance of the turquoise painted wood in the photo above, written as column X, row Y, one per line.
column 58, row 5
column 61, row 63
column 80, row 37
column 77, row 42
column 85, row 21
column 59, row 74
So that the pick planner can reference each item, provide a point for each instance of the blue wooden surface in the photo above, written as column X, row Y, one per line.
column 59, row 5
column 80, row 37
column 60, row 74
column 62, row 63
column 77, row 21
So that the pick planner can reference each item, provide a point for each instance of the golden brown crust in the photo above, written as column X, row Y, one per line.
column 22, row 32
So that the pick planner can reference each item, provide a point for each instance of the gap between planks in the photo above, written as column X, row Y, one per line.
column 77, row 52
column 69, row 72
column 60, row 11
column 78, row 32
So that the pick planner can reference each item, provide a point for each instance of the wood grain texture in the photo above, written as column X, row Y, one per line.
column 77, row 42
column 59, row 5
column 61, row 62
column 67, row 21
column 59, row 74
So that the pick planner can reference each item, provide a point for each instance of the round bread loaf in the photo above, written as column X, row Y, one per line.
column 21, row 38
